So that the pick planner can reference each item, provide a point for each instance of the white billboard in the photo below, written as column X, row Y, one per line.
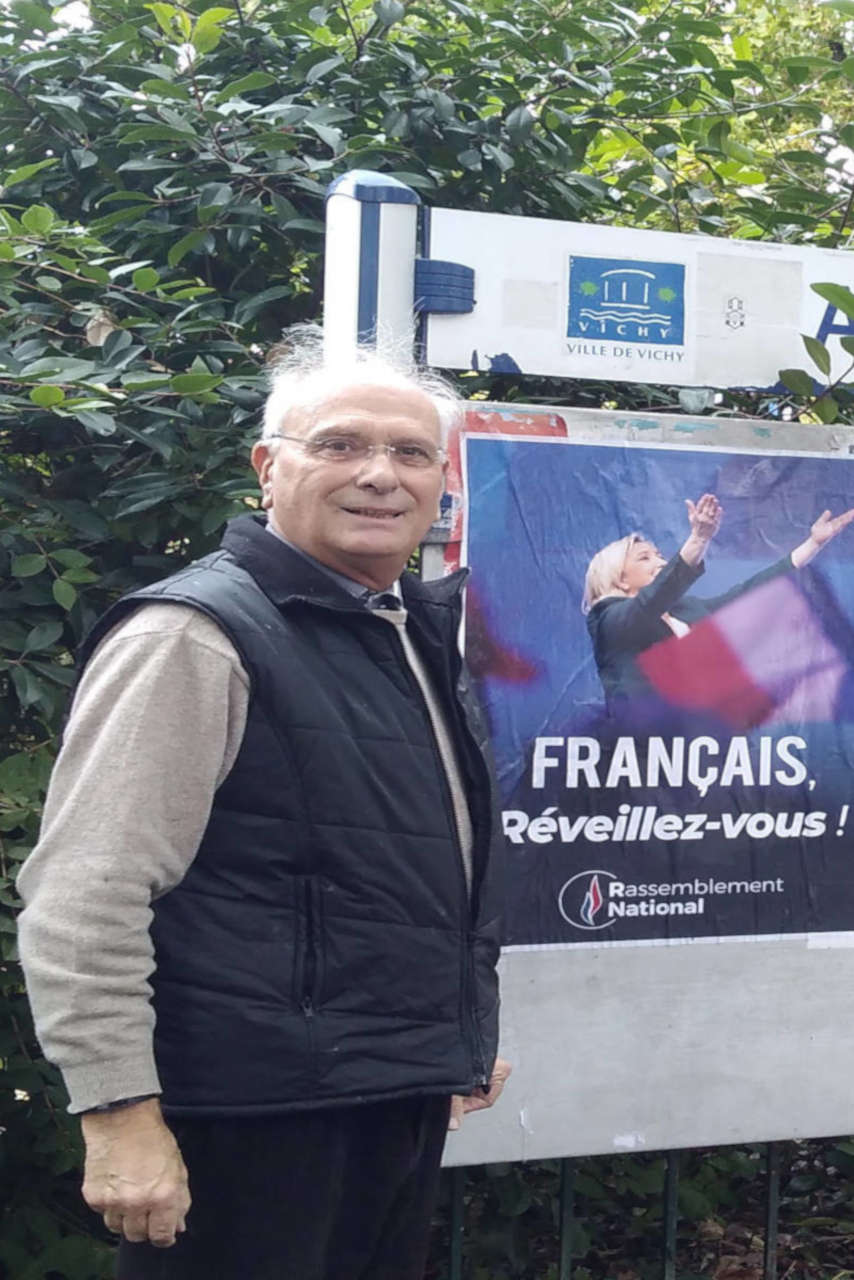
column 576, row 300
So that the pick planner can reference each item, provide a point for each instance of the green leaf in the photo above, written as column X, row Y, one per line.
column 26, row 171
column 71, row 558
column 68, row 368
column 98, row 274
column 145, row 278
column 54, row 671
column 847, row 344
column 818, row 353
column 7, row 253
column 845, row 7
column 249, row 307
column 214, row 15
column 389, row 11
column 165, row 14
column 207, row 33
column 35, row 16
column 165, row 89
column 254, row 80
column 184, row 246
column 745, row 155
column 192, row 384
column 420, row 181
column 797, row 380
column 64, row 594
column 79, row 575
column 27, row 685
column 332, row 137
column 38, row 219
column 826, row 409
column 320, row 69
column 305, row 224
column 101, row 423
column 46, row 396
column 520, row 125
column 27, row 565
column 502, row 159
column 43, row 635
column 12, row 636
column 741, row 48
column 205, row 39
column 153, row 133
column 83, row 157
column 213, row 197
column 837, row 295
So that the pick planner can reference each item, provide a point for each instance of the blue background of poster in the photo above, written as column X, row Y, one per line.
column 538, row 511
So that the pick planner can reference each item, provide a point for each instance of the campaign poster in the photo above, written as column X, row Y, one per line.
column 674, row 741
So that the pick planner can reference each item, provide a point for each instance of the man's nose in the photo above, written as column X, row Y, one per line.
column 377, row 471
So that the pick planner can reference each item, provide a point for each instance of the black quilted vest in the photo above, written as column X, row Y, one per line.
column 321, row 949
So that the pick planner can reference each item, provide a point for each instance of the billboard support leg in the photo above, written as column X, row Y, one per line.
column 671, row 1213
column 772, row 1210
column 567, row 1216
column 458, row 1183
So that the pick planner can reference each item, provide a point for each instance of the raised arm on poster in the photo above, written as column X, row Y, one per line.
column 634, row 598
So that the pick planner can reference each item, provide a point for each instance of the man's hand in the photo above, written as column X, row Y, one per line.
column 134, row 1173
column 482, row 1097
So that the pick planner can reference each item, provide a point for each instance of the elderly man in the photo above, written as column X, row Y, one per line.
column 262, row 921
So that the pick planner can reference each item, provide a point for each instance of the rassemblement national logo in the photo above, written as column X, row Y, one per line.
column 596, row 899
column 582, row 899
column 624, row 300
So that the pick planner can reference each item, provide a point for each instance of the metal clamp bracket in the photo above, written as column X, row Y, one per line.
column 443, row 286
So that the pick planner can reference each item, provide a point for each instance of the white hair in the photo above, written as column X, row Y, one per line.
column 301, row 381
column 605, row 571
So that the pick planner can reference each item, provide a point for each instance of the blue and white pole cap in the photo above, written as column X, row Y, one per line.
column 372, row 188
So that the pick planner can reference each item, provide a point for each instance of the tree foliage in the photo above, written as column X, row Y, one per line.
column 161, row 217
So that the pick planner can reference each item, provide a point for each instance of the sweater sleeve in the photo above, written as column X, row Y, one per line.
column 156, row 724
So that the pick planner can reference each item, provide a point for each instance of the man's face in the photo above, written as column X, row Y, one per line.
column 363, row 518
column 643, row 562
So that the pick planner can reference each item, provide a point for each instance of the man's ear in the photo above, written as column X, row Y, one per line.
column 262, row 460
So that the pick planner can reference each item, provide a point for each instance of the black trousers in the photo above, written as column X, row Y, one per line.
column 343, row 1194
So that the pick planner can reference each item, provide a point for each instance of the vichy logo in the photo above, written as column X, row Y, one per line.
column 627, row 300
column 582, row 898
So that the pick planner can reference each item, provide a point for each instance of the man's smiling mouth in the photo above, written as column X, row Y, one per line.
column 374, row 513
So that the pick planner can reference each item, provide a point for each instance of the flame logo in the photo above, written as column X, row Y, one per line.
column 582, row 898
column 592, row 904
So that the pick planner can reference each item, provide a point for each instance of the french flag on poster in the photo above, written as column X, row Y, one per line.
column 781, row 653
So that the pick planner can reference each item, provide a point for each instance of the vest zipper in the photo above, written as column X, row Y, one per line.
column 472, row 1028
column 480, row 1057
column 310, row 968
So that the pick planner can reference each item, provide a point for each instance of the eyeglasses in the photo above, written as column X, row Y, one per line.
column 353, row 449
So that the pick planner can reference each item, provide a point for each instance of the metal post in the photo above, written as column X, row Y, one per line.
column 772, row 1209
column 671, row 1213
column 567, row 1216
column 369, row 283
column 458, row 1183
